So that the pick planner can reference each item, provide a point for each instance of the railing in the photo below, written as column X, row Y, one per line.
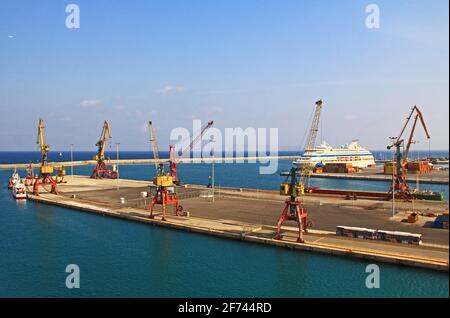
column 144, row 202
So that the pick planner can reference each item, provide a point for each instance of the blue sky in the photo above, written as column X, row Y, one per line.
column 243, row 63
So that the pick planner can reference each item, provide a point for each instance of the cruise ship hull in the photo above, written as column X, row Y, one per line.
column 355, row 155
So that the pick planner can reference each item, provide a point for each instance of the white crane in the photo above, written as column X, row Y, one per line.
column 314, row 127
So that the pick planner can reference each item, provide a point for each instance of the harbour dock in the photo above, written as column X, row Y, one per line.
column 250, row 215
column 376, row 174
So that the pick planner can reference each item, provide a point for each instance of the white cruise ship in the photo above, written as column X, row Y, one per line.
column 351, row 153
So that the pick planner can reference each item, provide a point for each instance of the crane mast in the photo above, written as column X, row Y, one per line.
column 314, row 127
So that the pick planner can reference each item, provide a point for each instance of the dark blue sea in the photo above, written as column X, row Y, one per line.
column 118, row 258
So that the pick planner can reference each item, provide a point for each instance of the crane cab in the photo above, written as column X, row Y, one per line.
column 46, row 169
column 163, row 181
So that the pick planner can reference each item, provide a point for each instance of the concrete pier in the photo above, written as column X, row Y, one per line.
column 376, row 174
column 243, row 216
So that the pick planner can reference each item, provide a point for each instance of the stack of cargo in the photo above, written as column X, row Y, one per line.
column 390, row 167
column 318, row 169
column 412, row 167
column 418, row 167
column 338, row 168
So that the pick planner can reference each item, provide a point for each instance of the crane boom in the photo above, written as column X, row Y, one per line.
column 158, row 165
column 399, row 140
column 44, row 148
column 314, row 127
column 199, row 136
column 173, row 161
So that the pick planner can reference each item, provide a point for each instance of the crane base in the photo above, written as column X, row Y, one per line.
column 294, row 211
column 43, row 181
column 163, row 197
column 101, row 171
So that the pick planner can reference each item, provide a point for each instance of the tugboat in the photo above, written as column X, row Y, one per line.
column 14, row 179
column 19, row 191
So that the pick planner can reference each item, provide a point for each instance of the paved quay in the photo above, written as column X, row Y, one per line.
column 249, row 219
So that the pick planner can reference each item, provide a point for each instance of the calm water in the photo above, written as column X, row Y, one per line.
column 120, row 258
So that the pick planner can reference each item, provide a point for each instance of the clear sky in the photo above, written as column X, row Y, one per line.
column 243, row 63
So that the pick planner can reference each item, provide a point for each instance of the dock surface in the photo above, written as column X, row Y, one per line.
column 252, row 217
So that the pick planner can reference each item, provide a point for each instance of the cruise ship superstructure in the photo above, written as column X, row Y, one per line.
column 351, row 153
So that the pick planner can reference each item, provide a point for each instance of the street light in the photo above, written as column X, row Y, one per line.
column 212, row 169
column 117, row 163
column 71, row 159
column 393, row 177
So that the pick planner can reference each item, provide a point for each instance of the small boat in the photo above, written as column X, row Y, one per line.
column 19, row 191
column 14, row 179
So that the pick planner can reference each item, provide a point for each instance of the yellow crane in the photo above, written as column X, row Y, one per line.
column 165, row 193
column 45, row 171
column 101, row 169
column 44, row 147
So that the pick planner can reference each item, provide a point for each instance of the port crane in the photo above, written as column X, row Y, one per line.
column 44, row 177
column 172, row 152
column 294, row 185
column 101, row 169
column 165, row 193
column 294, row 209
column 400, row 185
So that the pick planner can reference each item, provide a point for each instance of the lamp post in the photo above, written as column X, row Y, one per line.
column 212, row 170
column 393, row 177
column 71, row 159
column 117, row 164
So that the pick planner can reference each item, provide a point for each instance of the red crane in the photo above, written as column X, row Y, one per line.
column 400, row 184
column 173, row 160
